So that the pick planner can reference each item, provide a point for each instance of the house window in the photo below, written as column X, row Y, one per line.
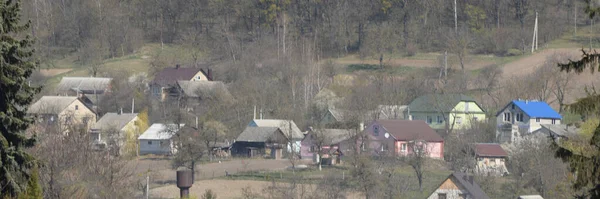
column 440, row 119
column 403, row 147
column 160, row 143
column 519, row 117
column 429, row 120
column 149, row 142
column 376, row 130
column 458, row 120
column 553, row 121
column 537, row 119
column 76, row 107
column 384, row 147
column 462, row 196
column 312, row 149
column 362, row 147
column 441, row 196
column 85, row 120
column 198, row 77
column 513, row 106
column 475, row 118
column 507, row 117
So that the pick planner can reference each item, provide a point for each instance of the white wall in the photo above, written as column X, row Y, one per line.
column 159, row 147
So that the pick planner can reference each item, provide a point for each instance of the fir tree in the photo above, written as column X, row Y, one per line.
column 16, row 65
column 585, row 163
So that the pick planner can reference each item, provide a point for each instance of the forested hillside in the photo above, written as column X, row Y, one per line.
column 233, row 30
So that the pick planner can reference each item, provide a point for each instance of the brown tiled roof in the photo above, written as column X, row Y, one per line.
column 172, row 75
column 489, row 150
column 410, row 130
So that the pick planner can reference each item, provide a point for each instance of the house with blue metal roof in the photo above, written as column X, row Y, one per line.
column 520, row 117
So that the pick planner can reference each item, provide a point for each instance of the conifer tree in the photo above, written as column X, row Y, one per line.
column 16, row 65
column 585, row 163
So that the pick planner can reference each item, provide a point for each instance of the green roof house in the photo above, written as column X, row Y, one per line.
column 456, row 110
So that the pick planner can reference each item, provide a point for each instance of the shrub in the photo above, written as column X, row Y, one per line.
column 514, row 52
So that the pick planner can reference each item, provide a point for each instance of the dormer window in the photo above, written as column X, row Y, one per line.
column 76, row 107
column 513, row 106
column 507, row 117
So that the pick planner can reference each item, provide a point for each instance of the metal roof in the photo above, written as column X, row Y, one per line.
column 84, row 84
column 283, row 125
column 490, row 150
column 410, row 130
column 160, row 131
column 536, row 109
column 51, row 104
column 114, row 120
column 204, row 89
column 258, row 134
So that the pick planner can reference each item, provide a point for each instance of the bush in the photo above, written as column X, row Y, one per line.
column 411, row 49
column 514, row 52
column 209, row 194
column 357, row 67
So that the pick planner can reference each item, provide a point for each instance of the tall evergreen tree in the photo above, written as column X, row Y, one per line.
column 585, row 163
column 16, row 65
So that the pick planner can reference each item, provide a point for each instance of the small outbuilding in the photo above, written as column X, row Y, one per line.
column 490, row 158
column 260, row 142
column 157, row 139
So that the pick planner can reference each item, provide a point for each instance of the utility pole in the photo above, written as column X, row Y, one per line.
column 535, row 29
column 455, row 19
column 575, row 16
column 591, row 32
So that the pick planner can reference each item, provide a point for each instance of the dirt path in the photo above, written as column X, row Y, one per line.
column 53, row 72
column 161, row 172
column 469, row 64
column 527, row 65
column 224, row 189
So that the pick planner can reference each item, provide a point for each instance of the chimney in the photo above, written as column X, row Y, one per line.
column 196, row 122
column 177, row 66
column 121, row 112
column 209, row 74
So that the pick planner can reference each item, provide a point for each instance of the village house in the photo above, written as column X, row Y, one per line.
column 490, row 159
column 260, row 142
column 445, row 111
column 193, row 93
column 289, row 129
column 158, row 139
column 458, row 186
column 166, row 79
column 520, row 117
column 89, row 89
column 334, row 143
column 63, row 112
column 397, row 136
column 126, row 127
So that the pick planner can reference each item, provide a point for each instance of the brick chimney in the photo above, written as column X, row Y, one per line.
column 209, row 74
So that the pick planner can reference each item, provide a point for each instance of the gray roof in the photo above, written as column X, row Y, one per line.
column 335, row 136
column 204, row 89
column 51, row 104
column 438, row 102
column 473, row 188
column 84, row 84
column 114, row 120
column 561, row 129
column 342, row 115
column 283, row 125
column 159, row 131
column 391, row 112
column 258, row 134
